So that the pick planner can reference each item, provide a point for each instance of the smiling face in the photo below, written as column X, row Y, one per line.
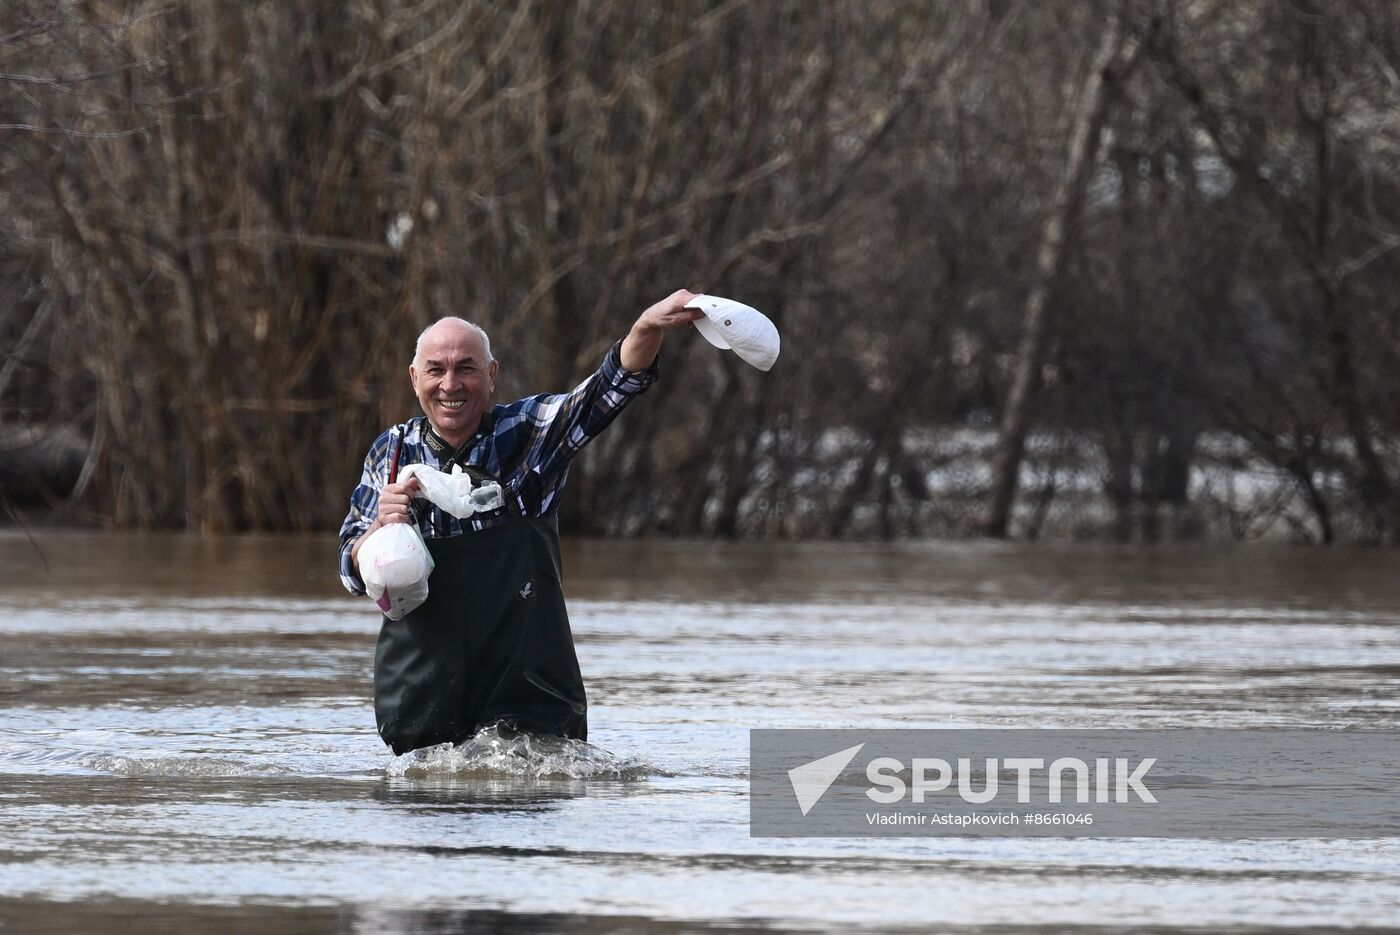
column 453, row 379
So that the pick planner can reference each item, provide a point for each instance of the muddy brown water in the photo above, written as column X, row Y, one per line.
column 188, row 743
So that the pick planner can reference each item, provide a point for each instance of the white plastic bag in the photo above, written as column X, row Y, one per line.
column 395, row 565
column 453, row 492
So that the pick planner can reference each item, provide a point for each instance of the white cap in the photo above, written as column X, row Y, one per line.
column 734, row 326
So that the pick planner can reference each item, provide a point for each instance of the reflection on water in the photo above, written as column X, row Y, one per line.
column 188, row 740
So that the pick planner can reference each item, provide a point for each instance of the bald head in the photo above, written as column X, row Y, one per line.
column 452, row 325
column 453, row 376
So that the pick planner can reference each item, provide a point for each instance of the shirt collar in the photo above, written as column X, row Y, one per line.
column 443, row 450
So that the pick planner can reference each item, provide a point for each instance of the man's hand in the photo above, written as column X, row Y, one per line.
column 395, row 502
column 644, row 340
column 669, row 313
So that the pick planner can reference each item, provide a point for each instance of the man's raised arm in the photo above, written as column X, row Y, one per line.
column 644, row 340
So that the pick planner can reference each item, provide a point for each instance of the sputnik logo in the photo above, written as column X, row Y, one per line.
column 811, row 780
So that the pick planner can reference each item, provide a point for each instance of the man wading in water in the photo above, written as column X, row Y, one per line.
column 492, row 641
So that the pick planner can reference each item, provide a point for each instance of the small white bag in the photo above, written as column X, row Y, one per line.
column 395, row 565
column 453, row 493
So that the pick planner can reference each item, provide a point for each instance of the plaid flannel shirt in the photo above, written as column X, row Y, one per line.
column 527, row 445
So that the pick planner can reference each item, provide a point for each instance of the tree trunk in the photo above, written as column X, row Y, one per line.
column 1084, row 132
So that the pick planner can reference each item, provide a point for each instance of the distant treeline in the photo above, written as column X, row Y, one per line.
column 1095, row 268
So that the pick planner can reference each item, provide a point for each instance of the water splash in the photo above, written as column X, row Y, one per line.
column 498, row 751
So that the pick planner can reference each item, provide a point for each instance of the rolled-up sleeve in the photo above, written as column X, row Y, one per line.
column 364, row 506
column 625, row 382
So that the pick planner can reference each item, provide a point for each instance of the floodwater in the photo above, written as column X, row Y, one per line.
column 188, row 742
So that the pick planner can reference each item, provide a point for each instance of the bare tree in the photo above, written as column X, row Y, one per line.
column 1165, row 285
column 1115, row 51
